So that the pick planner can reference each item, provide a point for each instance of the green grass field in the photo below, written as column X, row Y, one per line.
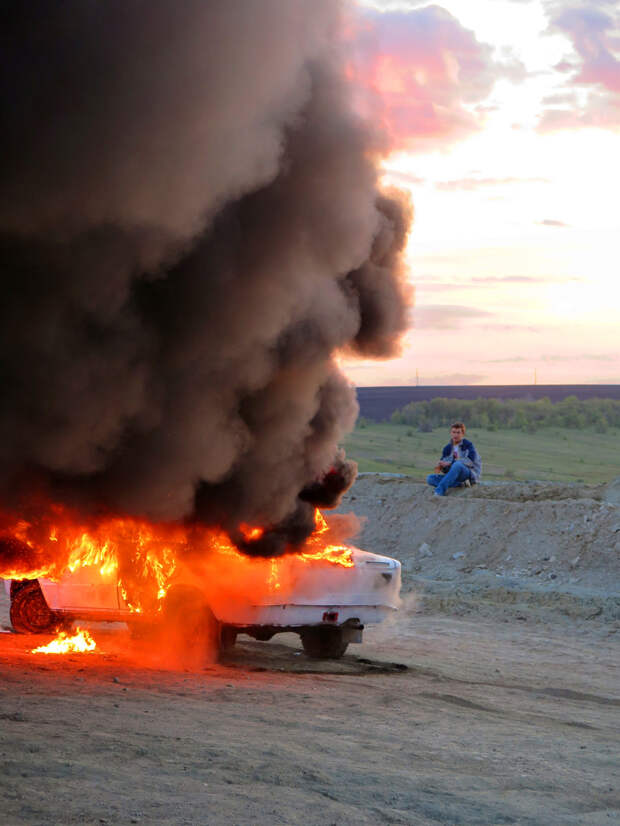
column 549, row 455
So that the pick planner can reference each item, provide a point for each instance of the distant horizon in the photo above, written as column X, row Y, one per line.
column 500, row 384
column 378, row 402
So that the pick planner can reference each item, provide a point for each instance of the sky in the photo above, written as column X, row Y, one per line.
column 504, row 125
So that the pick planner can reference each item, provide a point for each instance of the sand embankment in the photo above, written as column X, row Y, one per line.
column 497, row 546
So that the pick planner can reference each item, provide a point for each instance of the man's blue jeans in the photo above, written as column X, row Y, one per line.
column 457, row 474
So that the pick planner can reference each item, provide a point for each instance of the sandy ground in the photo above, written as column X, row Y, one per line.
column 492, row 710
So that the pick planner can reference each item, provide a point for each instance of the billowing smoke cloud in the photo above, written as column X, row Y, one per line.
column 190, row 231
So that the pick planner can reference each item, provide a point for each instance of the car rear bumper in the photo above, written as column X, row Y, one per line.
column 297, row 616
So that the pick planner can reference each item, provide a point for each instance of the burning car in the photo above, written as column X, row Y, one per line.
column 326, row 593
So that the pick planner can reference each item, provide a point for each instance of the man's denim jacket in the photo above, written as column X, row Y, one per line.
column 469, row 455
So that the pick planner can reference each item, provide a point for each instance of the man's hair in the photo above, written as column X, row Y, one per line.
column 460, row 426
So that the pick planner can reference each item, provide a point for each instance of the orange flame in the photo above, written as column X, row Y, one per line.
column 336, row 554
column 143, row 557
column 80, row 642
column 249, row 533
column 274, row 576
column 140, row 555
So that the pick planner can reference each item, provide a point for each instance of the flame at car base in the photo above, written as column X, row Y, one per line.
column 79, row 642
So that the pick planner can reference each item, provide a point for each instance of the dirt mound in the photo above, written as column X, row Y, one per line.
column 611, row 492
column 513, row 545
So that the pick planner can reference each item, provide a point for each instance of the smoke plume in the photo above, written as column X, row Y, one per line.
column 191, row 230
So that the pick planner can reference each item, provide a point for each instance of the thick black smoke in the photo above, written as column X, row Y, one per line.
column 190, row 232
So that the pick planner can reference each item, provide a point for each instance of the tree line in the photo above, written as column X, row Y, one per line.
column 515, row 414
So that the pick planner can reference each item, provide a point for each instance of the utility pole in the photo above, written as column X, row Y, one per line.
column 417, row 378
column 535, row 377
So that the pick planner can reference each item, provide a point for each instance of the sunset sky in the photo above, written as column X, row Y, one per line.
column 504, row 117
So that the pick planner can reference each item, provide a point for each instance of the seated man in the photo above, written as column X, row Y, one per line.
column 459, row 464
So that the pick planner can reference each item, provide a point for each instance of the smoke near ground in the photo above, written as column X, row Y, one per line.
column 191, row 231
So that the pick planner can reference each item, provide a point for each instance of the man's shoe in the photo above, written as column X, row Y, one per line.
column 466, row 483
column 439, row 494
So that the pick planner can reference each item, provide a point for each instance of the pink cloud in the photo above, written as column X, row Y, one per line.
column 445, row 316
column 600, row 111
column 429, row 74
column 595, row 38
column 552, row 222
column 593, row 66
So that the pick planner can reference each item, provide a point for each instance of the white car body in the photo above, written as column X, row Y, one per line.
column 321, row 594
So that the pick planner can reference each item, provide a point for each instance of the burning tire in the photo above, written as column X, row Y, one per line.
column 228, row 637
column 141, row 630
column 324, row 643
column 191, row 624
column 30, row 613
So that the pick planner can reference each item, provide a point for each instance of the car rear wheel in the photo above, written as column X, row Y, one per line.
column 228, row 637
column 30, row 613
column 324, row 643
column 192, row 625
column 141, row 630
